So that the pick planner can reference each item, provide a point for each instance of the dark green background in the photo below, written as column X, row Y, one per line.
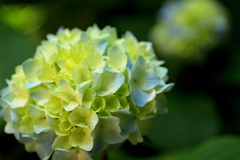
column 203, row 122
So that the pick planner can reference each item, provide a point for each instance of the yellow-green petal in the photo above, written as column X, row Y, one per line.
column 36, row 112
column 26, row 125
column 108, row 83
column 82, row 75
column 61, row 142
column 41, row 125
column 112, row 103
column 83, row 117
column 88, row 97
column 46, row 74
column 99, row 104
column 65, row 125
column 81, row 137
column 30, row 68
column 95, row 61
column 117, row 61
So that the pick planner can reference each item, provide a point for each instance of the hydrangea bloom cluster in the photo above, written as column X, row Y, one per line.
column 186, row 28
column 84, row 92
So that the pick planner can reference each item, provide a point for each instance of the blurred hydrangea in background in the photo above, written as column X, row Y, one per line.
column 23, row 18
column 84, row 92
column 189, row 28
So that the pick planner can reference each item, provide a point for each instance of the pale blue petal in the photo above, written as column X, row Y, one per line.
column 164, row 88
column 127, row 123
column 101, row 45
column 98, row 145
column 139, row 68
column 44, row 141
column 135, row 137
column 41, row 125
column 112, row 137
column 139, row 97
column 161, row 104
column 107, row 83
column 129, row 63
column 33, row 84
column 149, row 81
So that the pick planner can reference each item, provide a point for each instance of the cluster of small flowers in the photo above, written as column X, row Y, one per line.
column 83, row 92
column 189, row 28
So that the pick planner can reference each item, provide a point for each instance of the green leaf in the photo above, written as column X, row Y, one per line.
column 175, row 155
column 225, row 147
column 191, row 118
column 220, row 148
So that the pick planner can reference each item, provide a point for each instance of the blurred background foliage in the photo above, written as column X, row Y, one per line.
column 204, row 105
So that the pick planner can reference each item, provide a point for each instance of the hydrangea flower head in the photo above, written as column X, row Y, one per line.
column 188, row 28
column 82, row 92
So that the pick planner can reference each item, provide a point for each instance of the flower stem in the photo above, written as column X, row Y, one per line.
column 104, row 155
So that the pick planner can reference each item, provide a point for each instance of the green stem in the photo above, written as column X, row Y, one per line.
column 104, row 155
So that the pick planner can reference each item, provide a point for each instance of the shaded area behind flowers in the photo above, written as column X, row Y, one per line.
column 203, row 104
